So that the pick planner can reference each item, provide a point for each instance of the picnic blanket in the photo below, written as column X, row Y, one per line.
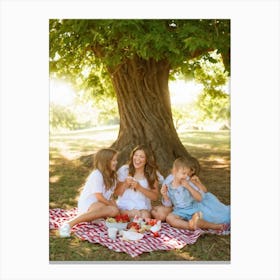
column 96, row 232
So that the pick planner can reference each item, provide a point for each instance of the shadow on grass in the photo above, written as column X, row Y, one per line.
column 66, row 179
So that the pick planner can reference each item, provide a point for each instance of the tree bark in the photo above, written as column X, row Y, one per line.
column 144, row 106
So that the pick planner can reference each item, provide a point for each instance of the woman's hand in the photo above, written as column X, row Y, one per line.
column 123, row 186
column 163, row 192
column 129, row 179
column 134, row 185
column 128, row 182
column 150, row 193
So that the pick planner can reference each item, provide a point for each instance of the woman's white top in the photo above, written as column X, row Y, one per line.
column 132, row 199
column 94, row 184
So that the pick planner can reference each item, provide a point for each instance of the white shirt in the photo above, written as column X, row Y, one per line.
column 94, row 184
column 132, row 199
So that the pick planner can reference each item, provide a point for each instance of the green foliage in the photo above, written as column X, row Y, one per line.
column 213, row 103
column 61, row 116
column 99, row 45
column 177, row 116
column 183, row 116
column 85, row 112
column 108, row 111
column 210, row 71
column 84, row 51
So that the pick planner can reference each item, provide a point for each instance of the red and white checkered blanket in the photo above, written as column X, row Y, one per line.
column 96, row 232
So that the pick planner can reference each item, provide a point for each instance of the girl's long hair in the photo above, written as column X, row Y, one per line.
column 102, row 162
column 150, row 169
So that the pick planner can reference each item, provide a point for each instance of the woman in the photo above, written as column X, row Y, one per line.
column 138, row 183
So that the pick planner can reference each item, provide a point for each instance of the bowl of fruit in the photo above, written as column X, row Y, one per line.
column 141, row 225
column 120, row 222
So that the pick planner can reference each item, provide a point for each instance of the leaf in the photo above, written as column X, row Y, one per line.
column 79, row 40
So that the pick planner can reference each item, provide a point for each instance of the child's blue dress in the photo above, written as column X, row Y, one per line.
column 212, row 208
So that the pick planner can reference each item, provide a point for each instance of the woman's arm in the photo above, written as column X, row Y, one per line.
column 150, row 193
column 165, row 198
column 196, row 195
column 122, row 186
column 102, row 199
column 163, row 192
column 124, row 180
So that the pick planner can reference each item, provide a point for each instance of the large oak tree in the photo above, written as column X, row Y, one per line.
column 138, row 57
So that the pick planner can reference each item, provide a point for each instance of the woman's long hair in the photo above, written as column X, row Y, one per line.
column 150, row 169
column 102, row 162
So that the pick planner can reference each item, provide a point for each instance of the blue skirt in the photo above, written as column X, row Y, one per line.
column 213, row 210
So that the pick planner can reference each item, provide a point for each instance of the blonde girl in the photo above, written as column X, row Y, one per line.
column 96, row 199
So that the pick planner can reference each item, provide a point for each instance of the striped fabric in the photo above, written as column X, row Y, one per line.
column 96, row 232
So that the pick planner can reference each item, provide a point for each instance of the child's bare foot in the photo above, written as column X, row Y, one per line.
column 195, row 218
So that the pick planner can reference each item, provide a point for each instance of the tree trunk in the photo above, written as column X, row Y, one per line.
column 144, row 106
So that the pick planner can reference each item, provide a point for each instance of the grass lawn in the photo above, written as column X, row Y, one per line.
column 68, row 174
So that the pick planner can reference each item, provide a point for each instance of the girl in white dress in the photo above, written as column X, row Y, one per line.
column 138, row 183
column 96, row 199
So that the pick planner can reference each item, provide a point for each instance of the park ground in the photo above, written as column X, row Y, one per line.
column 68, row 173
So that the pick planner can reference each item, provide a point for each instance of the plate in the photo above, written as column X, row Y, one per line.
column 131, row 235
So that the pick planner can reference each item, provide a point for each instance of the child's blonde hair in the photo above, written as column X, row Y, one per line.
column 191, row 163
column 102, row 162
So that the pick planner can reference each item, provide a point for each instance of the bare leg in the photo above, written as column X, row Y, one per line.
column 131, row 213
column 134, row 212
column 177, row 222
column 145, row 214
column 161, row 212
column 96, row 210
column 207, row 225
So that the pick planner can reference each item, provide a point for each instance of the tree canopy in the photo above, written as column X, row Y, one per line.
column 138, row 57
column 83, row 49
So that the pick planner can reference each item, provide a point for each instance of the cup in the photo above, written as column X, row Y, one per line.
column 112, row 233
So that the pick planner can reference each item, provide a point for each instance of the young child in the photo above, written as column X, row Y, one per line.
column 187, row 212
column 96, row 198
column 213, row 209
column 138, row 183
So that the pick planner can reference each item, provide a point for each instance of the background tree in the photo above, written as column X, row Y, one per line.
column 62, row 117
column 213, row 103
column 138, row 56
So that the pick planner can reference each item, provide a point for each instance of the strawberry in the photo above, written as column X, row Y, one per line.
column 152, row 222
column 118, row 218
column 125, row 218
column 156, row 234
column 132, row 224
